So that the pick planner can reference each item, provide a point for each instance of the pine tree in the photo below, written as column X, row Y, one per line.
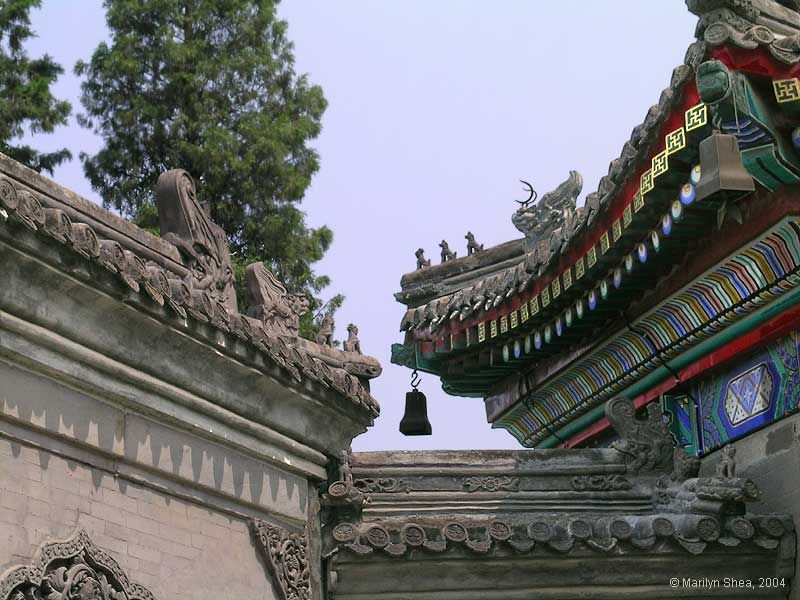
column 26, row 103
column 209, row 86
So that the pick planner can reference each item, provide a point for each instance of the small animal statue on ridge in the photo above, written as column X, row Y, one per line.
column 447, row 254
column 472, row 245
column 421, row 261
column 325, row 335
column 352, row 344
column 727, row 466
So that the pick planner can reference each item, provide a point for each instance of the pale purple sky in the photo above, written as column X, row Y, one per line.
column 436, row 110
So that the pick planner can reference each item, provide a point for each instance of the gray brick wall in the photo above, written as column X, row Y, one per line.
column 771, row 458
column 177, row 549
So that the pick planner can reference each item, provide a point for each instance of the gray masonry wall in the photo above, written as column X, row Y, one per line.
column 771, row 458
column 178, row 549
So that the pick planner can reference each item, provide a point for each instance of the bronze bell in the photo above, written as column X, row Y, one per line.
column 415, row 420
column 721, row 168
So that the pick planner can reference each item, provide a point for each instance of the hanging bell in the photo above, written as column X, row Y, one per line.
column 415, row 420
column 721, row 168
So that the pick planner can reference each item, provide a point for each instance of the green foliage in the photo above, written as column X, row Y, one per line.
column 209, row 86
column 25, row 98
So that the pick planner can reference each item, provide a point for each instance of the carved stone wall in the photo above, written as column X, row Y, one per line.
column 137, row 406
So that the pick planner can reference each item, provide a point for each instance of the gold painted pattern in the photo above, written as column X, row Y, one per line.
column 481, row 332
column 659, row 164
column 646, row 182
column 696, row 117
column 786, row 90
column 638, row 201
column 493, row 328
column 616, row 230
column 591, row 257
column 605, row 244
column 627, row 216
column 676, row 140
column 534, row 305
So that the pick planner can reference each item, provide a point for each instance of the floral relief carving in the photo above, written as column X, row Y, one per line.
column 382, row 485
column 286, row 555
column 73, row 569
column 491, row 483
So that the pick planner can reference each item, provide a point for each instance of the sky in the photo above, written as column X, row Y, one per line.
column 437, row 108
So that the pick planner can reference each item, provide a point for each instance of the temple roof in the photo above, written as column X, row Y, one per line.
column 581, row 274
column 183, row 279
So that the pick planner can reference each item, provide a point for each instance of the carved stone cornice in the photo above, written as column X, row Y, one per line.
column 612, row 534
column 72, row 569
column 287, row 557
column 199, row 291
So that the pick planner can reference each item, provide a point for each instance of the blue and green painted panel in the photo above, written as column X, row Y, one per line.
column 758, row 391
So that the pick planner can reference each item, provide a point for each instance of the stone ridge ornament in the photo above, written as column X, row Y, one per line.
column 646, row 443
column 447, row 254
column 326, row 327
column 201, row 242
column 352, row 343
column 555, row 209
column 272, row 304
column 73, row 569
column 472, row 246
column 286, row 555
column 422, row 262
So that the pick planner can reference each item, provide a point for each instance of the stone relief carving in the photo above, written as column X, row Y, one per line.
column 343, row 491
column 490, row 483
column 600, row 483
column 555, row 209
column 201, row 242
column 286, row 555
column 386, row 485
column 73, row 569
column 272, row 304
column 645, row 443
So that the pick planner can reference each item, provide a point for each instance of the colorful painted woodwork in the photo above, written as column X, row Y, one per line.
column 595, row 302
column 727, row 405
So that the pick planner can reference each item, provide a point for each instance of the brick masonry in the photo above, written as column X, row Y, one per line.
column 771, row 458
column 179, row 550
